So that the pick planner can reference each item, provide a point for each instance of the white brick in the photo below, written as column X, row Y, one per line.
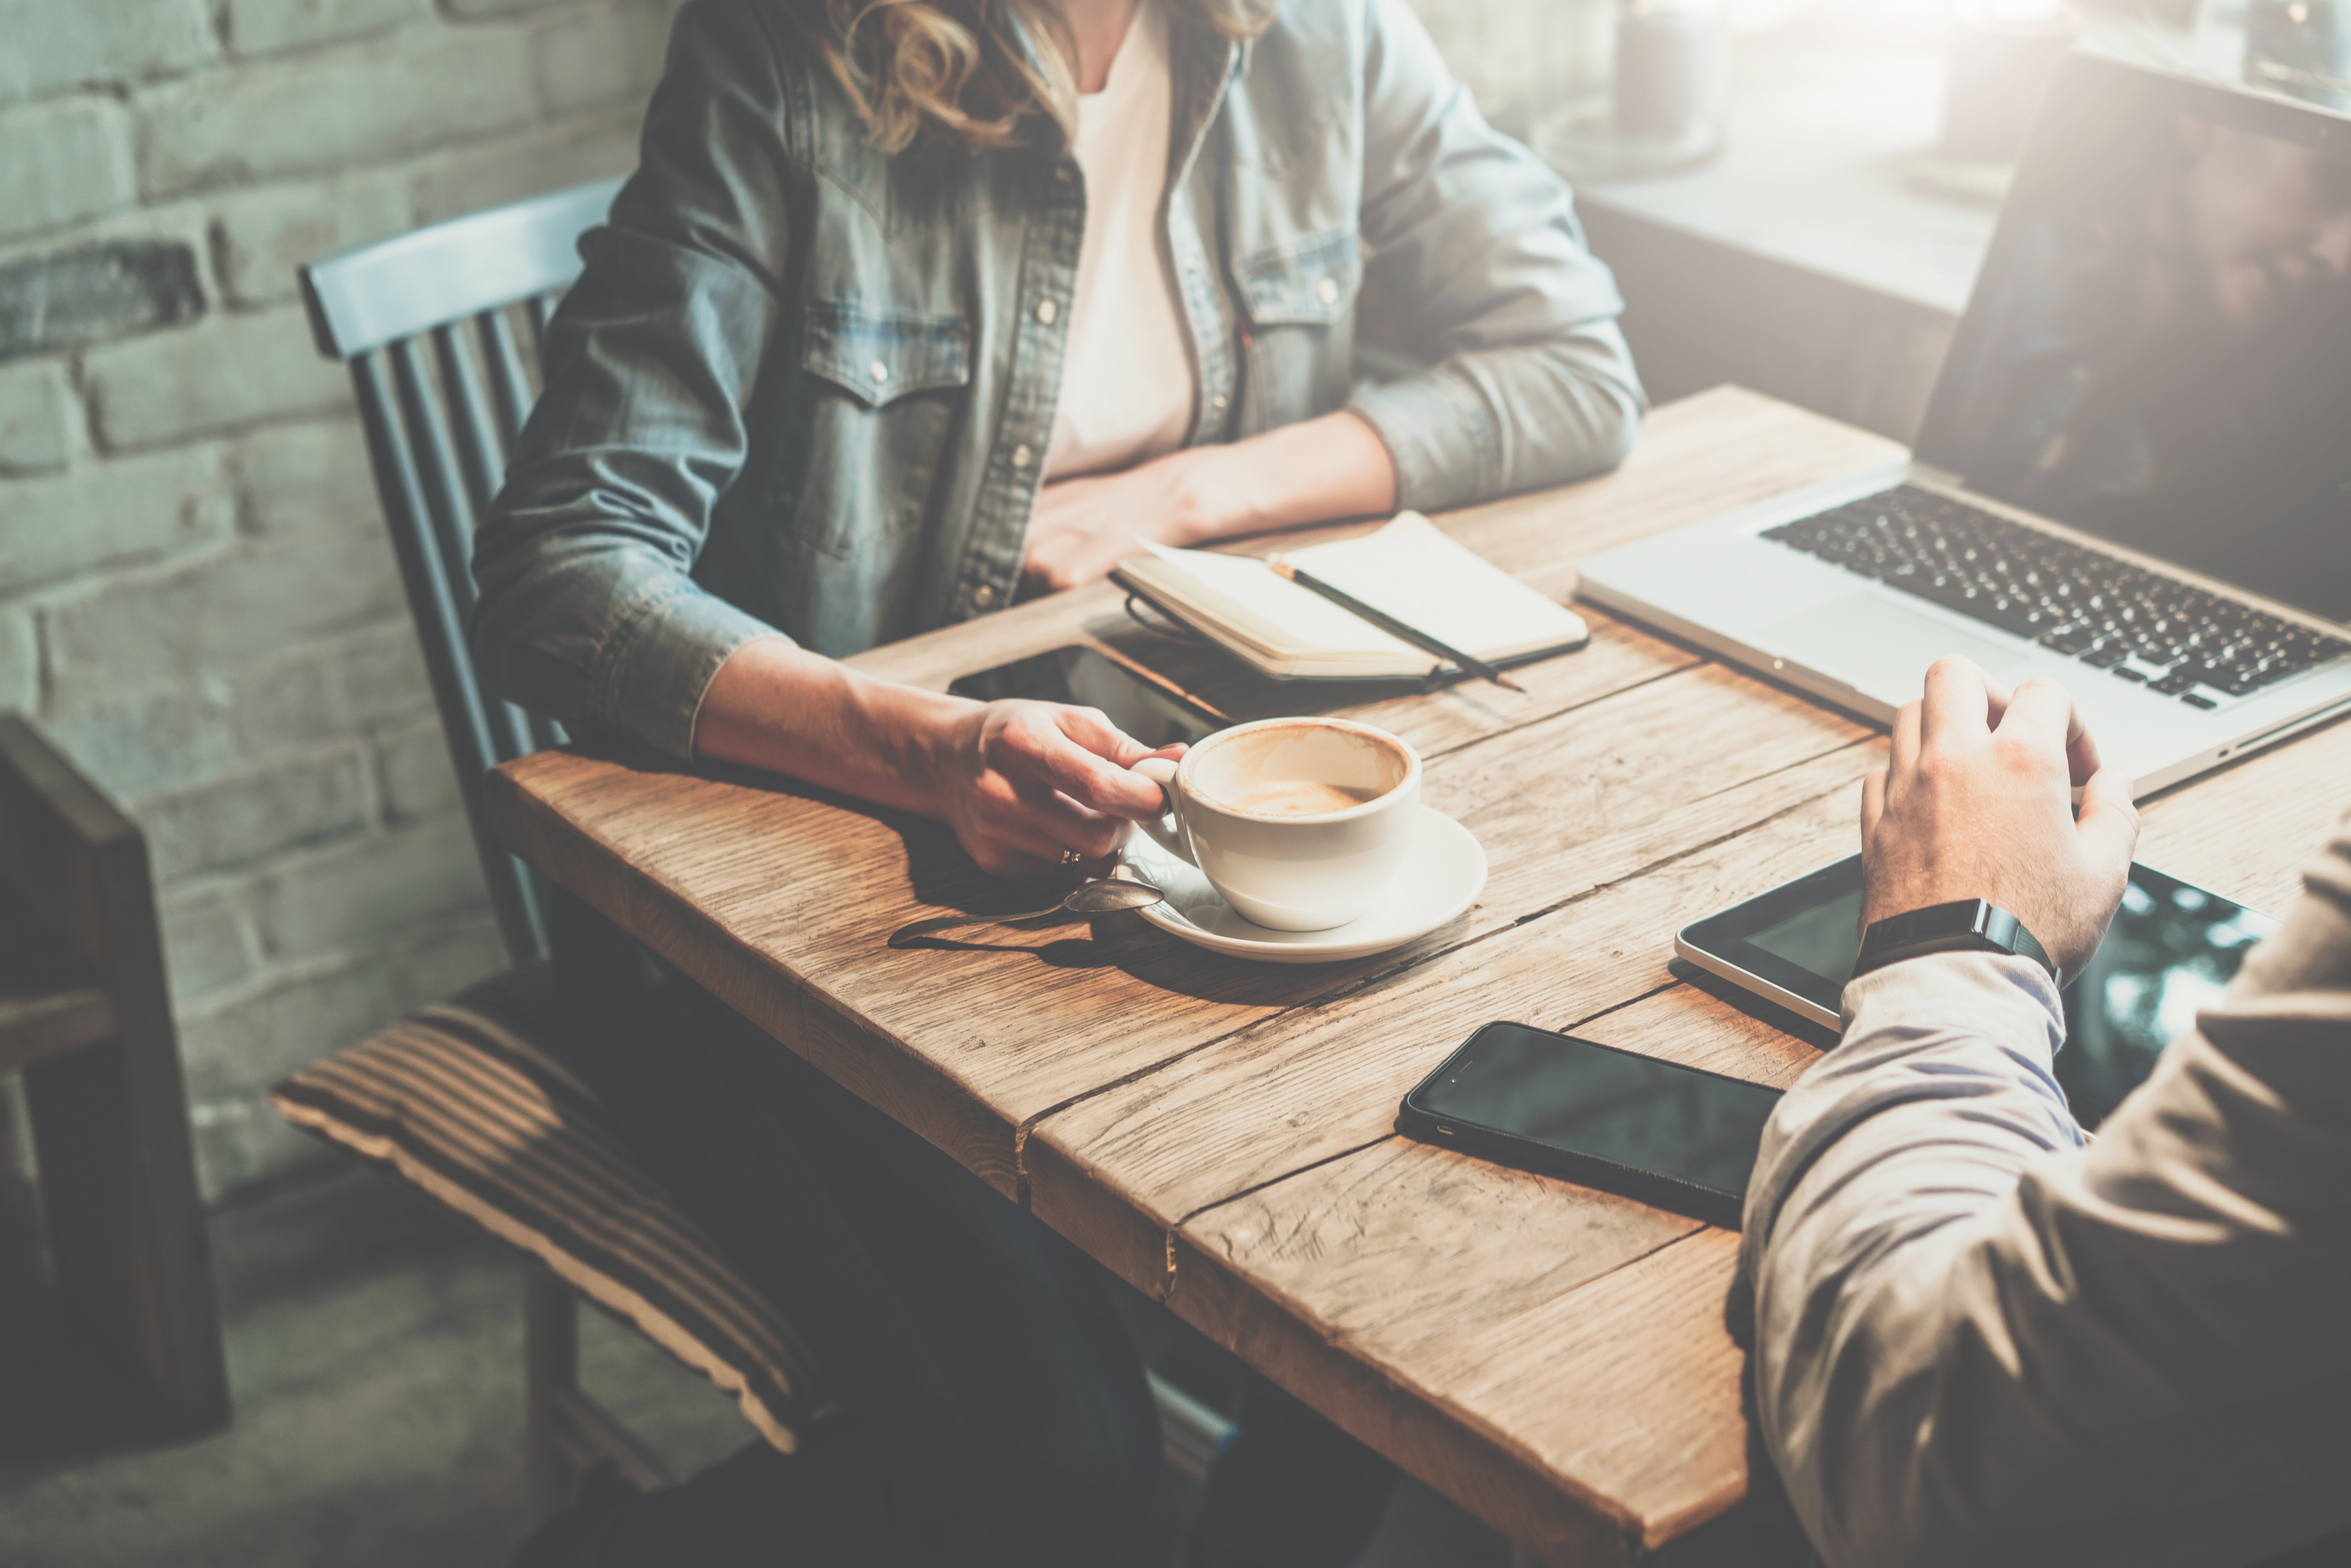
column 259, row 240
column 243, row 1143
column 246, row 818
column 572, row 153
column 242, row 1045
column 590, row 59
column 37, row 424
column 206, row 944
column 354, row 892
column 261, row 26
column 419, row 779
column 239, row 609
column 380, row 675
column 74, row 43
column 217, row 726
column 306, row 478
column 20, row 662
column 64, row 160
column 107, row 513
column 226, row 721
column 366, row 104
column 219, row 375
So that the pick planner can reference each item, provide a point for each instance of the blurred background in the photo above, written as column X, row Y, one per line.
column 198, row 602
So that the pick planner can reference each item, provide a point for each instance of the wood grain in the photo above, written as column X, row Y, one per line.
column 1220, row 1134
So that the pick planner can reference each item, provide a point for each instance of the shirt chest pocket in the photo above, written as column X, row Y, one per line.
column 1299, row 298
column 883, row 389
column 1309, row 282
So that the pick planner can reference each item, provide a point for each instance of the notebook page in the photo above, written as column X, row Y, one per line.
column 1283, row 618
column 1411, row 571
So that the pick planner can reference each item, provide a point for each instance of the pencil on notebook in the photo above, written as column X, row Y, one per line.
column 1394, row 627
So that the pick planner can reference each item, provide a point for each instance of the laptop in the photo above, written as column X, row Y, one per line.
column 2133, row 475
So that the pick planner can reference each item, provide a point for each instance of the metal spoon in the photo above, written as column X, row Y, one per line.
column 1102, row 896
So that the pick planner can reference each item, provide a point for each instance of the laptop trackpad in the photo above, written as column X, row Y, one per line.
column 1878, row 648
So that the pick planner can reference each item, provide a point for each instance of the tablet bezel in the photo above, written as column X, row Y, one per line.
column 1719, row 944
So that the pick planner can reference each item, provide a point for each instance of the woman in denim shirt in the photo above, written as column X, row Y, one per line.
column 807, row 398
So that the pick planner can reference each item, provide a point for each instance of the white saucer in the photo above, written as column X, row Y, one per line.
column 1444, row 871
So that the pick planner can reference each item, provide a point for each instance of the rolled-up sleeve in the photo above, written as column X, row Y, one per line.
column 589, row 612
column 1981, row 1337
column 1527, row 381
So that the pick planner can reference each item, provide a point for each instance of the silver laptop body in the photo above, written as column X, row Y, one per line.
column 2222, row 483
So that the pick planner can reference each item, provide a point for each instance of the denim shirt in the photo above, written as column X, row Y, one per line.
column 805, row 386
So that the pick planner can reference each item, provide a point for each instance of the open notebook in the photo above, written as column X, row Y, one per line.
column 1409, row 570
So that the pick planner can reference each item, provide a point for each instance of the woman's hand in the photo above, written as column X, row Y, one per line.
column 1976, row 803
column 1082, row 528
column 1333, row 466
column 1022, row 783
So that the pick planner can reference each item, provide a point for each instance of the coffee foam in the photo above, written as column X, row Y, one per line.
column 1235, row 773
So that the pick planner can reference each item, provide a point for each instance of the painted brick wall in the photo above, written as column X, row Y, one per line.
column 197, row 597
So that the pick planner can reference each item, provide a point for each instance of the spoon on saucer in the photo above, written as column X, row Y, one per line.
column 1102, row 896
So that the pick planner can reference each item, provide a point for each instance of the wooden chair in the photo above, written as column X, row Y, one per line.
column 85, row 1015
column 443, row 330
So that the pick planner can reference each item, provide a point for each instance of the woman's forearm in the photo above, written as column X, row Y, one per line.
column 777, row 706
column 1312, row 472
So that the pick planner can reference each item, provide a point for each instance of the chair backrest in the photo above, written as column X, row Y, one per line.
column 439, row 440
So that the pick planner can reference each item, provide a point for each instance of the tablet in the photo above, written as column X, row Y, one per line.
column 2170, row 951
column 1146, row 705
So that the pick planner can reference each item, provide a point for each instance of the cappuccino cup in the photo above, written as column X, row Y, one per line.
column 1299, row 823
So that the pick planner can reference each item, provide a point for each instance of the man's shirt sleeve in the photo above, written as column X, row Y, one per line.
column 1981, row 1337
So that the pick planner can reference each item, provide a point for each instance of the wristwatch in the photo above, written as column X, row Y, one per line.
column 1970, row 926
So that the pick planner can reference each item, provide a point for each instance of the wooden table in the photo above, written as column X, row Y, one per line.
column 1220, row 1134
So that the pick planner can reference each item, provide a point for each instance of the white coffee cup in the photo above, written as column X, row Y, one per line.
column 1299, row 822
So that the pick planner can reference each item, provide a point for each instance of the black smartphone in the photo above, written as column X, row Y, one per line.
column 1154, row 710
column 1676, row 1136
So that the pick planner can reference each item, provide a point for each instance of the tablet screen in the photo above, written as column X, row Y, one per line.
column 2170, row 951
column 1824, row 938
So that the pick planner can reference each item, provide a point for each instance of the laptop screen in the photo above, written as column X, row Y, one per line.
column 2158, row 351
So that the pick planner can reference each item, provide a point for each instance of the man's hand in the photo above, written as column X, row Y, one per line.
column 1975, row 804
column 1021, row 782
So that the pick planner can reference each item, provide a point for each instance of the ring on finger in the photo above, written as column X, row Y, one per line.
column 1072, row 857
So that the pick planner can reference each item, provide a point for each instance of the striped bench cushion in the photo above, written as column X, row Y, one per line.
column 457, row 1100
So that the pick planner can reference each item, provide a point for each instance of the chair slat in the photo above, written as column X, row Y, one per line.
column 446, row 510
column 510, row 386
column 481, row 454
column 440, row 633
column 541, row 310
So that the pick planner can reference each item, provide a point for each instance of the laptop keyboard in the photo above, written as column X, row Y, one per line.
column 2141, row 626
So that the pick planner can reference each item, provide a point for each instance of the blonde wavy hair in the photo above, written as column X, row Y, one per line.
column 955, row 67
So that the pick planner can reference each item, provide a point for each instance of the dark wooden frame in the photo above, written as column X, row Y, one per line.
column 85, row 1015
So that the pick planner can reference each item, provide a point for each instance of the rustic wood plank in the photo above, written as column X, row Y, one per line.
column 1402, row 1253
column 1117, row 1171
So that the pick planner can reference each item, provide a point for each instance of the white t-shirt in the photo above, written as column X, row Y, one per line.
column 1127, row 384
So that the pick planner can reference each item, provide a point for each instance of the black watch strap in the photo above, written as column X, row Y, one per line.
column 1969, row 925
